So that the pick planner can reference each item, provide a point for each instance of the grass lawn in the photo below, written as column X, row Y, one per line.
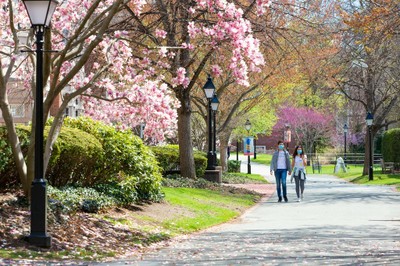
column 262, row 158
column 354, row 174
column 243, row 178
column 117, row 231
column 207, row 208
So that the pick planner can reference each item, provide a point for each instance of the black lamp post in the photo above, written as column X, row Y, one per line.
column 247, row 126
column 237, row 150
column 214, row 107
column 255, row 147
column 370, row 119
column 40, row 13
column 209, row 91
column 345, row 129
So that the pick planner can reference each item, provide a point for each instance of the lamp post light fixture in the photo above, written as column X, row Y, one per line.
column 40, row 13
column 209, row 91
column 247, row 126
column 214, row 107
column 345, row 129
column 370, row 119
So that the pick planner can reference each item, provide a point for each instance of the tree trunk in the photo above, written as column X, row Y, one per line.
column 53, row 135
column 224, row 142
column 186, row 158
column 15, row 147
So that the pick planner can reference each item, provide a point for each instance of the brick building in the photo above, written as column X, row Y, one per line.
column 21, row 103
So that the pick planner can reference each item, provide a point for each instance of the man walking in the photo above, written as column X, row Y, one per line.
column 280, row 165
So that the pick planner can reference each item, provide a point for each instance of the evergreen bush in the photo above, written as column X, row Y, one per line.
column 168, row 159
column 234, row 166
column 74, row 159
column 391, row 146
column 126, row 160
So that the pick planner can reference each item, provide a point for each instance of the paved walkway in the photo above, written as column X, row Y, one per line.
column 338, row 223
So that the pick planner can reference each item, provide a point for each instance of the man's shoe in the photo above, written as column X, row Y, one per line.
column 286, row 200
column 280, row 199
column 298, row 199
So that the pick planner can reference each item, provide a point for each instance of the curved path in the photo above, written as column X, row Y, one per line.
column 337, row 223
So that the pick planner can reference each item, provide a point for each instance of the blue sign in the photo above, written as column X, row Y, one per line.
column 248, row 146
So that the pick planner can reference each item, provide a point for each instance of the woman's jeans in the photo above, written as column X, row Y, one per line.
column 280, row 177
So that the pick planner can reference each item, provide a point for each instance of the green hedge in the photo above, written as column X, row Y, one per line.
column 234, row 166
column 168, row 159
column 88, row 153
column 391, row 145
column 75, row 156
column 125, row 160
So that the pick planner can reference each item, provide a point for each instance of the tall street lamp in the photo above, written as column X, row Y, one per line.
column 40, row 13
column 209, row 91
column 214, row 107
column 370, row 119
column 247, row 126
column 255, row 147
column 237, row 150
column 345, row 129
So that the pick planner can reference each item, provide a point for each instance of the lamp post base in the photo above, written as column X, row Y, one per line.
column 40, row 240
column 39, row 236
column 214, row 175
column 210, row 161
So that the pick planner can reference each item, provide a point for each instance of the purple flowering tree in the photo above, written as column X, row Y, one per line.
column 309, row 127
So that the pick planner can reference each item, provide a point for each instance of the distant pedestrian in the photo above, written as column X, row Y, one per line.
column 299, row 164
column 280, row 165
column 228, row 150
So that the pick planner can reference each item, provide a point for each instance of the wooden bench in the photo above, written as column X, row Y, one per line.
column 387, row 167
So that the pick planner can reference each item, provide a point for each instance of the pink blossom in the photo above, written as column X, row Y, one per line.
column 161, row 33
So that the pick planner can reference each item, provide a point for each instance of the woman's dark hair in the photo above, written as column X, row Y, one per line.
column 295, row 150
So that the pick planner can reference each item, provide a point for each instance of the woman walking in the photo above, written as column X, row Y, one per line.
column 299, row 164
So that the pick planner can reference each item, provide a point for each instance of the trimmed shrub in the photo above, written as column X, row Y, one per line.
column 74, row 159
column 168, row 159
column 391, row 145
column 126, row 160
column 234, row 166
column 87, row 153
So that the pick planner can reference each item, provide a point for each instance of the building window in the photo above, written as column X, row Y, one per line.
column 17, row 110
column 67, row 111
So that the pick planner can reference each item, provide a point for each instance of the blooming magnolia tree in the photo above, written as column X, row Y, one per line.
column 126, row 74
column 309, row 127
column 181, row 41
column 92, row 60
